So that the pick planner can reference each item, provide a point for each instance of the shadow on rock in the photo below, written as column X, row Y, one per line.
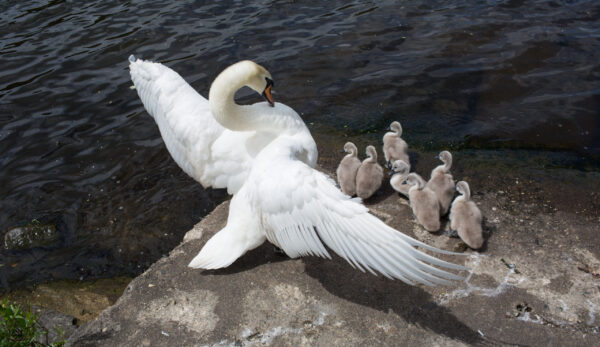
column 411, row 303
column 265, row 254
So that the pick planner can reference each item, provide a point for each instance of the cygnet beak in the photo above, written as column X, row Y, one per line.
column 343, row 151
column 391, row 172
column 267, row 92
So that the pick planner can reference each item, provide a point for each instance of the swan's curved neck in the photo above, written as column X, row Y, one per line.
column 447, row 164
column 444, row 168
column 420, row 183
column 466, row 192
column 372, row 156
column 397, row 179
column 222, row 104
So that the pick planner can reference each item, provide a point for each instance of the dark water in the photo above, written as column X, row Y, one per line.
column 78, row 150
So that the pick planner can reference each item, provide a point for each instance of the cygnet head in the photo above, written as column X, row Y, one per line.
column 446, row 158
column 349, row 147
column 256, row 77
column 463, row 188
column 401, row 167
column 371, row 153
column 396, row 127
column 415, row 180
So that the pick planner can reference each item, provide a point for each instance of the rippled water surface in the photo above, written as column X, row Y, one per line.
column 78, row 150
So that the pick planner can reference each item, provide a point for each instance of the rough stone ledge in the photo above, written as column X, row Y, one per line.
column 519, row 292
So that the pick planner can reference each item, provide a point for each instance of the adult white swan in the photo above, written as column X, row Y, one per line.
column 265, row 156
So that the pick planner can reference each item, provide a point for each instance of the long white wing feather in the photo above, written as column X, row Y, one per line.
column 302, row 209
column 212, row 155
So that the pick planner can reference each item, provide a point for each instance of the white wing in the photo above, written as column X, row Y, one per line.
column 212, row 155
column 301, row 209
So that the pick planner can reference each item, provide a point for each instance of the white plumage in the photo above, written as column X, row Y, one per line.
column 265, row 156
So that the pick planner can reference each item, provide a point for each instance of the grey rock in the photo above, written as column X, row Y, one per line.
column 58, row 325
column 30, row 236
column 266, row 299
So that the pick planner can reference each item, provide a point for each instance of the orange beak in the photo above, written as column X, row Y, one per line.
column 267, row 93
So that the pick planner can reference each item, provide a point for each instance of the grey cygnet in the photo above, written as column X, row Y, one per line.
column 424, row 203
column 399, row 171
column 394, row 147
column 348, row 168
column 465, row 217
column 369, row 176
column 442, row 182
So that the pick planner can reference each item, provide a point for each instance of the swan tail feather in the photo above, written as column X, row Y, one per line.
column 220, row 251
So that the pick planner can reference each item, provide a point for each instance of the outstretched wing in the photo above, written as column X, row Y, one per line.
column 205, row 150
column 302, row 210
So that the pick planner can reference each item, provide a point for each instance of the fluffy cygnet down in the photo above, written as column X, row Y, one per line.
column 394, row 147
column 346, row 171
column 399, row 171
column 442, row 182
column 369, row 175
column 465, row 217
column 424, row 203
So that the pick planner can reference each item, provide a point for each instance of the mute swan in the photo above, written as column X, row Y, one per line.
column 424, row 203
column 399, row 171
column 394, row 147
column 346, row 171
column 442, row 182
column 265, row 156
column 465, row 217
column 369, row 175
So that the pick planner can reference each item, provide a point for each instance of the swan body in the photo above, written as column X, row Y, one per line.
column 265, row 156
column 399, row 171
column 346, row 171
column 442, row 182
column 424, row 203
column 369, row 175
column 465, row 217
column 394, row 147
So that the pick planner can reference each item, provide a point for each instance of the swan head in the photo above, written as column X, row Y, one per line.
column 349, row 147
column 257, row 78
column 446, row 158
column 371, row 152
column 415, row 180
column 396, row 127
column 401, row 167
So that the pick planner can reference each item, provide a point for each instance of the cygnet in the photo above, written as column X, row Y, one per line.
column 442, row 182
column 346, row 171
column 399, row 171
column 465, row 217
column 394, row 147
column 369, row 175
column 424, row 203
